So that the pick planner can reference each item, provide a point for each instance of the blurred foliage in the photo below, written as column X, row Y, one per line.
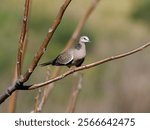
column 141, row 11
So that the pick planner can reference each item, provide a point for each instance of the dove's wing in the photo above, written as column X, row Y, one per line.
column 64, row 58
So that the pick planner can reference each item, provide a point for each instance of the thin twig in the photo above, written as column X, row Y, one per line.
column 45, row 96
column 37, row 100
column 75, row 93
column 82, row 22
column 46, row 41
column 34, row 86
column 46, row 92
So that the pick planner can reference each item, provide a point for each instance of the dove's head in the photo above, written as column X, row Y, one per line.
column 84, row 39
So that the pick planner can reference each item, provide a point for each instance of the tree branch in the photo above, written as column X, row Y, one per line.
column 45, row 42
column 23, row 36
column 75, row 93
column 21, row 52
column 9, row 91
column 45, row 94
column 25, row 77
column 82, row 22
column 37, row 101
column 34, row 86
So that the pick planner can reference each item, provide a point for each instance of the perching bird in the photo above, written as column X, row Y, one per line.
column 71, row 57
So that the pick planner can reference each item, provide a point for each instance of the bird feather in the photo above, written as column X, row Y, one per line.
column 64, row 58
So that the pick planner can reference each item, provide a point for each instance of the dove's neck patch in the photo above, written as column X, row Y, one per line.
column 78, row 46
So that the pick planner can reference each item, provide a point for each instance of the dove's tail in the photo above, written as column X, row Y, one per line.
column 46, row 63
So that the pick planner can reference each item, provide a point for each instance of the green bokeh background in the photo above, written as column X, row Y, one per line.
column 114, row 27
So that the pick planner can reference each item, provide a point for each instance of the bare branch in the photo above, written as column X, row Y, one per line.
column 21, row 52
column 23, row 36
column 46, row 92
column 13, row 97
column 46, row 41
column 37, row 57
column 34, row 86
column 75, row 93
column 9, row 91
column 37, row 100
column 45, row 96
column 82, row 22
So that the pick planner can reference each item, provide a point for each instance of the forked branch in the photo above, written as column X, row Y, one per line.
column 18, row 84
column 45, row 42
